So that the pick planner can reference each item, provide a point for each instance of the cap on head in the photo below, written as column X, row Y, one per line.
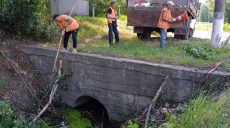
column 113, row 2
column 170, row 2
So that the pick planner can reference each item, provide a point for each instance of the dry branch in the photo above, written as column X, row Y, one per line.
column 154, row 100
column 18, row 72
column 213, row 69
column 55, row 85
column 53, row 92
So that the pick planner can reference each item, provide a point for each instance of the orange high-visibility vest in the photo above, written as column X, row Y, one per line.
column 165, row 14
column 63, row 23
column 113, row 14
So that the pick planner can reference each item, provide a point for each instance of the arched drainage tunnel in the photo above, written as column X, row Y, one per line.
column 116, row 87
column 94, row 110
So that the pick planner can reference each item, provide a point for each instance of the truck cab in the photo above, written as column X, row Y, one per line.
column 144, row 16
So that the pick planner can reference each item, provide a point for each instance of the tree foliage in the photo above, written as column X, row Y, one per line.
column 227, row 11
column 205, row 15
column 28, row 18
column 101, row 6
column 211, row 4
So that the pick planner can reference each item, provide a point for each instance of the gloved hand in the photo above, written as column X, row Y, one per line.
column 66, row 27
column 116, row 17
column 62, row 32
column 174, row 19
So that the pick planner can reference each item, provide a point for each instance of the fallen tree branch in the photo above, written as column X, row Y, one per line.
column 52, row 93
column 154, row 100
column 17, row 72
column 213, row 69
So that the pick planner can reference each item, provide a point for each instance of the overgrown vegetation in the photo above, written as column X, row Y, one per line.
column 9, row 119
column 132, row 124
column 198, row 52
column 204, row 112
column 75, row 120
column 28, row 18
column 41, row 96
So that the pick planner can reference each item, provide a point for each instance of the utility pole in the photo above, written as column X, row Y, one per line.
column 218, row 23
column 93, row 8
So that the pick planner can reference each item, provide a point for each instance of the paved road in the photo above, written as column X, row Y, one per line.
column 207, row 34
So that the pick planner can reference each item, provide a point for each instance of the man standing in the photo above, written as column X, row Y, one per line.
column 112, row 23
column 164, row 22
column 68, row 26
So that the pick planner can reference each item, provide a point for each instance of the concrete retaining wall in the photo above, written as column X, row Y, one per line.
column 123, row 86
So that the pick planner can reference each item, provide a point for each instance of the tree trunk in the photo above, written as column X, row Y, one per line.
column 218, row 20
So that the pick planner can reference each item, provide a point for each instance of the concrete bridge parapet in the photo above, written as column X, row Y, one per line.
column 122, row 86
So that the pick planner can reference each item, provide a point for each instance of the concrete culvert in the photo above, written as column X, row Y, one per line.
column 94, row 110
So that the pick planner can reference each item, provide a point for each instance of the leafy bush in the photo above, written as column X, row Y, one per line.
column 9, row 119
column 39, row 99
column 6, row 115
column 101, row 6
column 198, row 52
column 74, row 119
column 133, row 124
column 28, row 18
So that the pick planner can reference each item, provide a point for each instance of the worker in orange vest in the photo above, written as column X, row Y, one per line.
column 112, row 23
column 164, row 22
column 68, row 26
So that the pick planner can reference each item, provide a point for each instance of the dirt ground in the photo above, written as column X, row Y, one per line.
column 19, row 80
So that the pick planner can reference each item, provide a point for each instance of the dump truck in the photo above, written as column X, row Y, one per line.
column 144, row 16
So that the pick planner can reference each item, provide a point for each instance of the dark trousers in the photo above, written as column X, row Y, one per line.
column 113, row 29
column 74, row 37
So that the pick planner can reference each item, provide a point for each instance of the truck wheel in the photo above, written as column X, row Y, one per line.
column 178, row 36
column 140, row 35
column 145, row 35
column 191, row 32
column 185, row 37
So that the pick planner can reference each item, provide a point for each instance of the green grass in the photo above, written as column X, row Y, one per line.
column 173, row 54
column 208, row 26
column 204, row 112
column 74, row 119
column 92, row 38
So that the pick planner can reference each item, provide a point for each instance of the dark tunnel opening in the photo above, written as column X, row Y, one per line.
column 94, row 110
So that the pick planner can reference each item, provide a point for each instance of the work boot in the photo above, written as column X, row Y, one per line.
column 74, row 50
column 117, row 43
column 64, row 49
